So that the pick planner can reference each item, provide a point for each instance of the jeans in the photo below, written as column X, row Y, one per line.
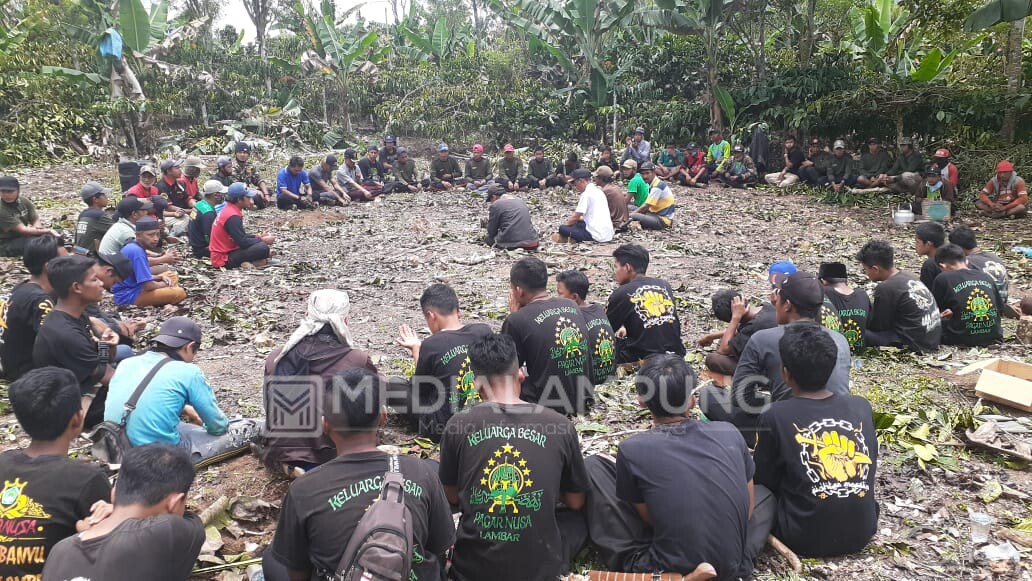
column 649, row 221
column 578, row 232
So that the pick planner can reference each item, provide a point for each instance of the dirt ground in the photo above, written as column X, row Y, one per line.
column 385, row 253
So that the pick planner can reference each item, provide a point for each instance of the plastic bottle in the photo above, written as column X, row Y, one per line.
column 1023, row 250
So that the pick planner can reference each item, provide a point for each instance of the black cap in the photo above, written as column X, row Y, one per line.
column 581, row 174
column 121, row 264
column 801, row 289
column 9, row 183
column 832, row 270
column 350, row 153
column 178, row 331
column 243, row 147
column 647, row 166
column 331, row 160
column 874, row 140
column 147, row 224
column 130, row 204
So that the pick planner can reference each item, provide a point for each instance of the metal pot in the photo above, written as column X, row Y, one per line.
column 902, row 216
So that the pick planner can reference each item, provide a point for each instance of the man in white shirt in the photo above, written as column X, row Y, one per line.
column 590, row 222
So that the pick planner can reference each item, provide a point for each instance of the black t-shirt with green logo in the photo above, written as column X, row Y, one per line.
column 601, row 343
column 647, row 309
column 853, row 311
column 510, row 463
column 323, row 508
column 975, row 301
column 552, row 339
column 443, row 378
column 830, row 317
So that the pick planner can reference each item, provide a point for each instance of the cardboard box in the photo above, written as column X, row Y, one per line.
column 1004, row 381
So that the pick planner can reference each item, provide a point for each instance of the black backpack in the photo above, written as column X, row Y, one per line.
column 380, row 549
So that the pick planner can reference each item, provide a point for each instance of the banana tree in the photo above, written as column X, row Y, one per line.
column 1013, row 12
column 443, row 41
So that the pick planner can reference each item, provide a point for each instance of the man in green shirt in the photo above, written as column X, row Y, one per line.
column 94, row 221
column 404, row 171
column 668, row 164
column 719, row 151
column 444, row 171
column 873, row 163
column 18, row 219
column 637, row 186
column 540, row 173
column 478, row 169
column 906, row 176
column 509, row 170
column 840, row 169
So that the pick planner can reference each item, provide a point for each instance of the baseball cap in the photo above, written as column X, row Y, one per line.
column 390, row 139
column 604, row 171
column 214, row 187
column 91, row 190
column 402, row 150
column 178, row 331
column 243, row 147
column 238, row 191
column 9, row 183
column 193, row 161
column 1004, row 166
column 630, row 163
column 692, row 145
column 350, row 153
column 331, row 160
column 130, row 204
column 581, row 174
column 477, row 148
column 442, row 147
column 121, row 264
column 831, row 270
column 781, row 267
column 647, row 166
column 802, row 289
column 839, row 144
column 508, row 147
column 148, row 169
column 223, row 161
column 169, row 164
column 874, row 140
column 639, row 130
column 147, row 224
column 738, row 149
column 942, row 152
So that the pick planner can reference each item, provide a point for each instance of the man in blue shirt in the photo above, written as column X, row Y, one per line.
column 179, row 387
column 293, row 187
column 144, row 289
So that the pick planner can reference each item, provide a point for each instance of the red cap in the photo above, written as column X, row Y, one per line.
column 942, row 152
column 508, row 147
column 478, row 148
column 1004, row 166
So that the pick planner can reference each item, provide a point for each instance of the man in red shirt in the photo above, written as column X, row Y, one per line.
column 192, row 168
column 1005, row 195
column 230, row 244
column 145, row 188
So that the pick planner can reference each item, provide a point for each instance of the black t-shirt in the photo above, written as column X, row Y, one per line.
column 175, row 192
column 904, row 305
column 112, row 320
column 765, row 319
column 796, row 157
column 976, row 305
column 371, row 171
column 853, row 311
column 22, row 314
column 929, row 270
column 157, row 548
column 41, row 501
column 601, row 343
column 321, row 511
column 510, row 463
column 66, row 342
column 819, row 457
column 90, row 228
column 694, row 477
column 443, row 378
column 991, row 264
column 199, row 230
column 647, row 309
column 552, row 340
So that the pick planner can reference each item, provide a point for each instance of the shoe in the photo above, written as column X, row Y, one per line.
column 272, row 263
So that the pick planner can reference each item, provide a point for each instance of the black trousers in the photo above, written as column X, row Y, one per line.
column 253, row 253
column 550, row 182
column 15, row 247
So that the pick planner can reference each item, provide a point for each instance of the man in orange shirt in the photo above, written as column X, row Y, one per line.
column 1005, row 195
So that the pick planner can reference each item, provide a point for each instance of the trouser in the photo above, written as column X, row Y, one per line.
column 506, row 182
column 14, row 247
column 788, row 180
column 253, row 253
column 741, row 408
column 286, row 203
column 436, row 185
column 848, row 181
column 906, row 183
column 260, row 202
column 177, row 226
column 550, row 182
column 722, row 364
column 200, row 252
column 325, row 198
column 810, row 175
column 123, row 352
column 169, row 295
column 578, row 232
column 206, row 449
column 649, row 221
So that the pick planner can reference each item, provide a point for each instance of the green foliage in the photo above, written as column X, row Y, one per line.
column 997, row 11
column 135, row 24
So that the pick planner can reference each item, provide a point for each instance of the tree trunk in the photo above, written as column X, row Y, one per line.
column 476, row 26
column 807, row 42
column 259, row 37
column 712, row 80
column 761, row 53
column 1015, row 33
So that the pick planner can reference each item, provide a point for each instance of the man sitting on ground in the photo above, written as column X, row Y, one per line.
column 573, row 285
column 350, row 177
column 929, row 237
column 738, row 171
column 946, row 168
column 325, row 189
column 478, row 169
column 637, row 187
column 67, row 339
column 669, row 161
column 508, row 222
column 443, row 381
column 148, row 534
column 192, row 168
column 853, row 307
column 223, row 171
column 805, row 494
column 177, row 388
column 231, row 245
column 590, row 222
column 640, row 513
column 969, row 302
column 389, row 153
column 403, row 170
column 373, row 173
column 145, row 289
column 179, row 203
column 129, row 210
column 657, row 211
column 483, row 448
column 551, row 339
column 840, row 172
column 984, row 261
column 637, row 148
column 793, row 159
column 94, row 221
column 29, row 303
column 199, row 232
column 907, row 172
column 742, row 322
column 509, row 170
column 815, row 167
column 67, row 495
column 1005, row 195
column 605, row 158
column 718, row 151
column 19, row 221
column 540, row 173
column 903, row 313
column 616, row 197
column 112, row 269
column 874, row 162
column 642, row 309
column 244, row 170
column 444, row 171
column 317, row 520
column 935, row 188
column 145, row 188
column 293, row 188
column 693, row 170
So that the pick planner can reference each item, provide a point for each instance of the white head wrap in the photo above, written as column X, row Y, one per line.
column 325, row 307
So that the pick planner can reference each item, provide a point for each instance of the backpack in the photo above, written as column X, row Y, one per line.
column 110, row 440
column 380, row 549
